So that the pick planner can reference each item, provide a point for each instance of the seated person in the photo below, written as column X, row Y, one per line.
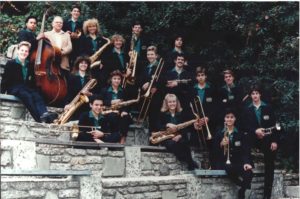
column 18, row 80
column 112, row 95
column 96, row 127
column 236, row 159
column 171, row 115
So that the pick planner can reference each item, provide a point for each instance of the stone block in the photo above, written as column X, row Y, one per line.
column 68, row 193
column 101, row 152
column 169, row 195
column 6, row 158
column 164, row 170
column 37, row 193
column 113, row 167
column 24, row 132
column 73, row 184
column 116, row 153
column 13, row 194
column 166, row 187
column 76, row 152
column 152, row 195
column 146, row 164
column 90, row 187
column 17, row 112
column 51, row 195
column 60, row 166
column 133, row 161
column 142, row 189
column 292, row 191
column 43, row 162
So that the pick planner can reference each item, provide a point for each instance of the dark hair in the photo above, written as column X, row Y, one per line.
column 230, row 110
column 95, row 97
column 77, row 62
column 116, row 73
column 134, row 23
column 30, row 17
column 178, row 35
column 255, row 87
column 179, row 55
column 76, row 6
column 200, row 69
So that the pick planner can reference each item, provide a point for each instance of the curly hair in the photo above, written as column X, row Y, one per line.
column 91, row 22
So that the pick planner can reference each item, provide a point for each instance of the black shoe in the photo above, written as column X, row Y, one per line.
column 192, row 165
column 48, row 117
column 241, row 194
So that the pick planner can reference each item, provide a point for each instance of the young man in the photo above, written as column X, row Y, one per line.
column 256, row 117
column 96, row 127
column 74, row 27
column 18, row 80
column 229, row 95
column 238, row 154
column 173, row 84
column 28, row 33
column 62, row 41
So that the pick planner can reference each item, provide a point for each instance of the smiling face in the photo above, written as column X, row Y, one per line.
column 228, row 78
column 172, row 103
column 57, row 24
column 92, row 29
column 83, row 65
column 255, row 96
column 116, row 81
column 229, row 119
column 75, row 13
column 97, row 106
column 23, row 52
column 31, row 24
column 137, row 29
column 179, row 62
column 151, row 56
column 118, row 43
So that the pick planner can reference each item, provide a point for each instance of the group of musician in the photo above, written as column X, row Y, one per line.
column 181, row 102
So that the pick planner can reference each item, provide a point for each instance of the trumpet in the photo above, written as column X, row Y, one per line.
column 227, row 147
column 206, row 125
column 148, row 95
column 269, row 131
column 180, row 81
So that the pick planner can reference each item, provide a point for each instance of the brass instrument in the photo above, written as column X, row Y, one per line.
column 157, row 137
column 97, row 54
column 75, row 130
column 123, row 104
column 148, row 95
column 227, row 147
column 206, row 125
column 180, row 81
column 269, row 131
column 132, row 63
column 197, row 114
column 76, row 102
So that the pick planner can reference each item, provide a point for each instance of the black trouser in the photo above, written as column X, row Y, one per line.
column 123, row 122
column 269, row 161
column 31, row 99
column 234, row 171
column 180, row 149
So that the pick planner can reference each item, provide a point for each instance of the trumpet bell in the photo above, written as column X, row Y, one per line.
column 277, row 126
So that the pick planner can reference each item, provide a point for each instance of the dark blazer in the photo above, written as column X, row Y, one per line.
column 74, row 86
column 68, row 26
column 86, row 45
column 144, row 77
column 165, row 118
column 250, row 122
column 13, row 76
column 112, row 62
column 107, row 97
column 26, row 35
column 240, row 153
column 105, row 125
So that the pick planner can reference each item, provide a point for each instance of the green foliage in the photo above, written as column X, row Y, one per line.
column 259, row 40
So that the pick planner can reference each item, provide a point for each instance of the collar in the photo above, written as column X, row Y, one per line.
column 77, row 74
column 91, row 115
column 54, row 32
column 19, row 62
column 225, row 86
column 28, row 30
column 262, row 103
column 169, row 113
column 114, row 51
column 151, row 65
column 196, row 86
column 233, row 132
column 174, row 70
column 73, row 20
column 110, row 89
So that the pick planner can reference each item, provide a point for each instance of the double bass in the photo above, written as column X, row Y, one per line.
column 48, row 78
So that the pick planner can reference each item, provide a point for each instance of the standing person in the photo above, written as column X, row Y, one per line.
column 240, row 163
column 113, row 95
column 156, row 89
column 73, row 27
column 91, row 42
column 18, row 80
column 256, row 117
column 79, row 77
column 96, row 127
column 28, row 33
column 62, row 41
column 171, row 115
column 229, row 95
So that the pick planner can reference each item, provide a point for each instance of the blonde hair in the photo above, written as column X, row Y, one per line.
column 116, row 37
column 24, row 43
column 90, row 22
column 165, row 107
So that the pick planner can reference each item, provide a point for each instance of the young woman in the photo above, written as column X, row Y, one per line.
column 231, row 145
column 171, row 115
column 18, row 80
column 113, row 95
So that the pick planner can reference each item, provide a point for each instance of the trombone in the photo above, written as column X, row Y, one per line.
column 148, row 95
column 206, row 125
column 227, row 148
column 197, row 114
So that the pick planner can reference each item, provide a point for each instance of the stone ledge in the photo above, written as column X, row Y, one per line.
column 10, row 172
column 9, row 98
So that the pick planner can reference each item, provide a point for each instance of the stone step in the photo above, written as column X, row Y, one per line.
column 292, row 191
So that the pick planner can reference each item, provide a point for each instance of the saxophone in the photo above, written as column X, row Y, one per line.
column 122, row 104
column 76, row 103
column 97, row 54
column 157, row 137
